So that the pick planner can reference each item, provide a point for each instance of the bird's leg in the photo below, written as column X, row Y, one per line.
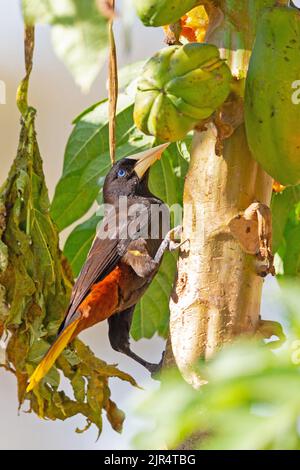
column 138, row 257
column 145, row 266
column 118, row 333
column 169, row 243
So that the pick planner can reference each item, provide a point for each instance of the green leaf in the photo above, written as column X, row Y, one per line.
column 152, row 312
column 87, row 159
column 291, row 259
column 286, row 230
column 282, row 205
column 79, row 34
column 86, row 164
column 79, row 242
column 151, row 315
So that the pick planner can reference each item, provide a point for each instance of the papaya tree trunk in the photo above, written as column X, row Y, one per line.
column 217, row 293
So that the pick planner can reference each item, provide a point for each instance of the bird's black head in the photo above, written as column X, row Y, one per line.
column 129, row 176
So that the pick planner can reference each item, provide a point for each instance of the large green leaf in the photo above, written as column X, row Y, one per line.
column 85, row 165
column 282, row 205
column 79, row 242
column 166, row 181
column 79, row 34
column 286, row 230
column 87, row 159
column 152, row 312
column 151, row 315
column 291, row 258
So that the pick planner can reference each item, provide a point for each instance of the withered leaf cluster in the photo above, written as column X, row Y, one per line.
column 35, row 284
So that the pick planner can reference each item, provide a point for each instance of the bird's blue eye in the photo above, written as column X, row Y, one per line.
column 121, row 172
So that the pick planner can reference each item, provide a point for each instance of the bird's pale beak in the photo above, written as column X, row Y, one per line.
column 145, row 159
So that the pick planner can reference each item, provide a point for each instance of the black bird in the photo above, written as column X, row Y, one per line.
column 124, row 258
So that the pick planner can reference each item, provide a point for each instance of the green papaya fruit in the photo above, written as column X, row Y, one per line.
column 162, row 12
column 272, row 113
column 179, row 87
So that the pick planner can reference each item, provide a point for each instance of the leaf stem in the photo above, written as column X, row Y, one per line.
column 22, row 92
column 113, row 87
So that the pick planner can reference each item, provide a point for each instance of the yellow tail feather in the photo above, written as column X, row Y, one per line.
column 56, row 349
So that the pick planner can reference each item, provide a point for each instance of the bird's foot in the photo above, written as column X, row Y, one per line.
column 174, row 238
column 170, row 243
column 157, row 368
column 175, row 233
column 154, row 369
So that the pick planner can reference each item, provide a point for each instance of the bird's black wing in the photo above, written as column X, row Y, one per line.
column 104, row 256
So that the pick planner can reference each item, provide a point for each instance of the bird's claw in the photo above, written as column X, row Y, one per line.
column 155, row 371
column 173, row 236
column 175, row 233
column 169, row 243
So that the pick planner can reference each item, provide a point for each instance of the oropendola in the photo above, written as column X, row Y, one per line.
column 124, row 258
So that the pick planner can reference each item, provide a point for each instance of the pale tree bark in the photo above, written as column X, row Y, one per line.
column 217, row 293
column 218, row 289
